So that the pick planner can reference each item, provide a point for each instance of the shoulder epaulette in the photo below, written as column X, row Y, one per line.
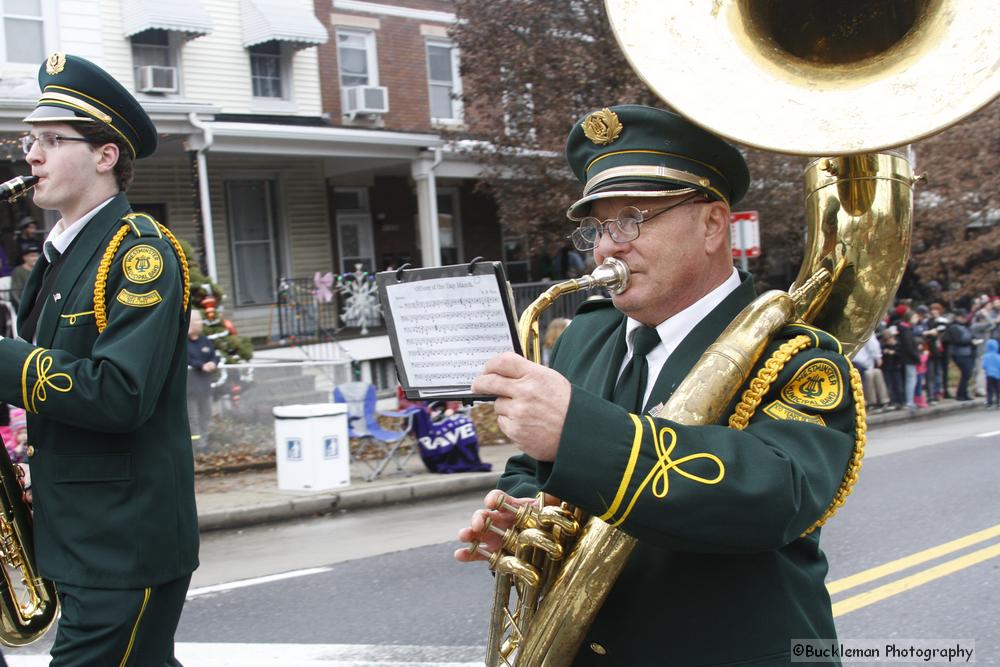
column 820, row 339
column 142, row 226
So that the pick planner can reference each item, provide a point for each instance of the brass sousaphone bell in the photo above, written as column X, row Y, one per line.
column 810, row 77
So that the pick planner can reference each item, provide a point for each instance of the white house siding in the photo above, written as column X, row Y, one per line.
column 79, row 21
column 116, row 51
column 305, row 67
column 216, row 67
column 169, row 182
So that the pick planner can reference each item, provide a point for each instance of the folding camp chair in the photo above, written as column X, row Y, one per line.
column 368, row 436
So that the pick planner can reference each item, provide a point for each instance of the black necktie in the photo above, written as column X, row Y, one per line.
column 26, row 329
column 632, row 384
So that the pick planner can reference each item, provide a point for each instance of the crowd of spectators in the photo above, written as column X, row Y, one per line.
column 921, row 354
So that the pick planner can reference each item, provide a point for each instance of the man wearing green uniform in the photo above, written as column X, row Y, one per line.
column 100, row 367
column 728, row 568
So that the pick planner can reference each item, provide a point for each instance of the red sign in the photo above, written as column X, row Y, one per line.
column 744, row 227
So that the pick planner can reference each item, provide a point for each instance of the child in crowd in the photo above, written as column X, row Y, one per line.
column 991, row 367
column 918, row 399
column 17, row 443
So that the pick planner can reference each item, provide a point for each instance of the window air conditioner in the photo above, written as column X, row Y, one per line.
column 154, row 79
column 366, row 100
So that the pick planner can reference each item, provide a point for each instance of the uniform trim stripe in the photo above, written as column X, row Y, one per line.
column 658, row 478
column 633, row 457
column 24, row 376
column 135, row 628
column 110, row 108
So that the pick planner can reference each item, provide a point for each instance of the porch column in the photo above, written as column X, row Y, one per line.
column 428, row 232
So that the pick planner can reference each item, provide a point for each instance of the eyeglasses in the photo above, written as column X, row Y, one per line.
column 49, row 141
column 622, row 228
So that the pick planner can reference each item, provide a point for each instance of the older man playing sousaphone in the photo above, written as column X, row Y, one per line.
column 727, row 568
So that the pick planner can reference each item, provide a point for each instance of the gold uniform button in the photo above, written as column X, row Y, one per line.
column 31, row 450
column 598, row 649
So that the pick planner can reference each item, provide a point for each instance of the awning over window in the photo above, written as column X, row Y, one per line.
column 186, row 16
column 290, row 21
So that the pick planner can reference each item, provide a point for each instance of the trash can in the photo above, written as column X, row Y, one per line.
column 313, row 451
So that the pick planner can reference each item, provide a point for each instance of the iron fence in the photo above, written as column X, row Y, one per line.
column 525, row 293
column 302, row 316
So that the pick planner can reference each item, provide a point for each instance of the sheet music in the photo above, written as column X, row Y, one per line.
column 447, row 328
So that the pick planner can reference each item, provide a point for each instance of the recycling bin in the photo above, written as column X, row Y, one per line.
column 312, row 448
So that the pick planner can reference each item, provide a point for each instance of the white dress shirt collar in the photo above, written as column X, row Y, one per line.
column 675, row 329
column 63, row 234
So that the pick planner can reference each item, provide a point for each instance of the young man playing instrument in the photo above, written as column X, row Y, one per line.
column 727, row 569
column 100, row 367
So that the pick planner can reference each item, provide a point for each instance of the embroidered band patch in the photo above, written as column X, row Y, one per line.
column 780, row 411
column 142, row 264
column 139, row 300
column 816, row 385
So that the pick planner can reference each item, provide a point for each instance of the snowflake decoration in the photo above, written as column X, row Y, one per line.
column 361, row 304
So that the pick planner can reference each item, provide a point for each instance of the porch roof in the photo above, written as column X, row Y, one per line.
column 283, row 21
column 186, row 16
column 298, row 140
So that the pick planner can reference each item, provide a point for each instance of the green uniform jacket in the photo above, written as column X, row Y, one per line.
column 112, row 468
column 720, row 575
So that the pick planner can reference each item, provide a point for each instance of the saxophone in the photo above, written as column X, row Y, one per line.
column 556, row 566
column 28, row 602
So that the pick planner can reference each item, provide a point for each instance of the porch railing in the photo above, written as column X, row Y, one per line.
column 301, row 316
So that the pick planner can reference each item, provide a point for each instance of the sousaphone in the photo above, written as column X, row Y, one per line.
column 847, row 81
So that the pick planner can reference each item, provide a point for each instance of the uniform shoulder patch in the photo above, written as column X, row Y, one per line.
column 142, row 264
column 817, row 385
column 780, row 411
column 143, row 300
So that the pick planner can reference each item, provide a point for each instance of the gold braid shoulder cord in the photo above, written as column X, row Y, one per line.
column 760, row 385
column 101, row 282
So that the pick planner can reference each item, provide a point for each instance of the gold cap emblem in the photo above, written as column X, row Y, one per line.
column 55, row 63
column 602, row 127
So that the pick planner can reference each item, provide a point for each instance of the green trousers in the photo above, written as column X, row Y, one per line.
column 118, row 628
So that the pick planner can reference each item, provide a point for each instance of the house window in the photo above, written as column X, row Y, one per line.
column 444, row 81
column 23, row 31
column 266, row 70
column 154, row 48
column 356, row 57
column 252, row 226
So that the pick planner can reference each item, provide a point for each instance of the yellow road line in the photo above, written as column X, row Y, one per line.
column 906, row 562
column 860, row 600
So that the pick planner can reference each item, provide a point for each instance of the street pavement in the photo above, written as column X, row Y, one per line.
column 252, row 497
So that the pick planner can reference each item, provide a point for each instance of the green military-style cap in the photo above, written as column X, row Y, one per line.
column 639, row 151
column 75, row 90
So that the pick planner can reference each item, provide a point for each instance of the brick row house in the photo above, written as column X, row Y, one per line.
column 297, row 136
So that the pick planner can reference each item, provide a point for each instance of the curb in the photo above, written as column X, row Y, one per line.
column 350, row 499
column 920, row 414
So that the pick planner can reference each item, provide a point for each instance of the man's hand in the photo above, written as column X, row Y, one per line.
column 499, row 518
column 209, row 366
column 532, row 403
